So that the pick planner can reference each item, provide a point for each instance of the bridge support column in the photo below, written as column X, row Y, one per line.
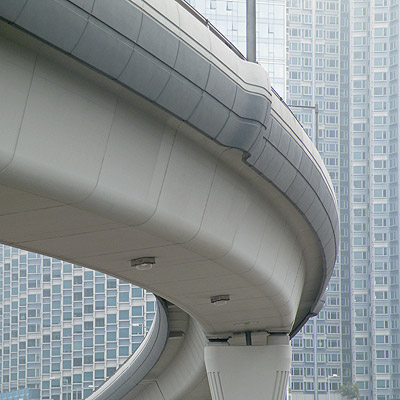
column 249, row 372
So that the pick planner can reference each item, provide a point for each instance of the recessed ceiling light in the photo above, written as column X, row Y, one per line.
column 220, row 299
column 143, row 263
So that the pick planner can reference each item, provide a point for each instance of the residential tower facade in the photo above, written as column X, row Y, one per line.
column 353, row 61
column 64, row 329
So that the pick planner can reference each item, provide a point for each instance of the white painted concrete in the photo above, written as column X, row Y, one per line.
column 254, row 372
column 96, row 175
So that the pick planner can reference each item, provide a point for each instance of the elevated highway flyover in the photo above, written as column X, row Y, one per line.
column 132, row 129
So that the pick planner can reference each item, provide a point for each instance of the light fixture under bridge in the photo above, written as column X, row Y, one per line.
column 143, row 263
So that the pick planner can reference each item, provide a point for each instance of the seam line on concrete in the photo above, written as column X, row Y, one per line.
column 23, row 114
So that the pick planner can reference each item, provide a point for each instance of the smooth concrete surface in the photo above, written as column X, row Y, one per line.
column 96, row 175
column 154, row 139
column 167, row 55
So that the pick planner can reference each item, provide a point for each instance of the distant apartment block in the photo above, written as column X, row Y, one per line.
column 343, row 57
column 64, row 329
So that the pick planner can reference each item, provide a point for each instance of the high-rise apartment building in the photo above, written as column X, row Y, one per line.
column 64, row 329
column 342, row 56
column 350, row 51
column 319, row 76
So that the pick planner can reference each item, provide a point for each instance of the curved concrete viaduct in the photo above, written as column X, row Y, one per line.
column 130, row 129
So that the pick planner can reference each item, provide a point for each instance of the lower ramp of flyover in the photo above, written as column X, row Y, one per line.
column 153, row 139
